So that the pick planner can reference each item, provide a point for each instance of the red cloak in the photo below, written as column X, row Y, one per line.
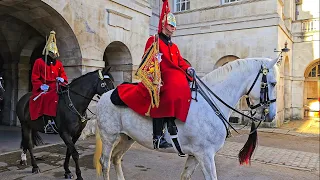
column 46, row 104
column 175, row 94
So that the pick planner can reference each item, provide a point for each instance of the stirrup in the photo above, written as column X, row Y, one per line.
column 161, row 143
column 50, row 128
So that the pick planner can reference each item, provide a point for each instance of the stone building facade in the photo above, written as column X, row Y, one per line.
column 90, row 35
column 212, row 33
column 209, row 34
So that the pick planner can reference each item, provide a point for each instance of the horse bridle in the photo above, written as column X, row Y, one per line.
column 74, row 110
column 264, row 92
column 104, row 83
column 264, row 98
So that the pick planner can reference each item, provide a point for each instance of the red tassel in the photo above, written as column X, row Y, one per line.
column 165, row 10
column 248, row 149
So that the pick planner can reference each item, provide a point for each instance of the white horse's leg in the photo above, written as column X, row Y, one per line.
column 119, row 150
column 189, row 168
column 208, row 166
column 107, row 146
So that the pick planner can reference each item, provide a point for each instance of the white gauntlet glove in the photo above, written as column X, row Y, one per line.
column 60, row 79
column 190, row 71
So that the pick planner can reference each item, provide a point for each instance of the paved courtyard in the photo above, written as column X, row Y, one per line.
column 278, row 156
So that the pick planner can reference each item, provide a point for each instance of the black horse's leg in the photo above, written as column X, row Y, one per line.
column 23, row 158
column 68, row 174
column 72, row 149
column 28, row 143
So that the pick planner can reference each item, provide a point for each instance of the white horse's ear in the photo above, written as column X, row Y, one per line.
column 272, row 63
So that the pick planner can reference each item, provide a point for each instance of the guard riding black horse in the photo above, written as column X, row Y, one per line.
column 70, row 120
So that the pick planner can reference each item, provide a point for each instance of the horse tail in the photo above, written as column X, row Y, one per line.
column 36, row 138
column 98, row 152
column 248, row 149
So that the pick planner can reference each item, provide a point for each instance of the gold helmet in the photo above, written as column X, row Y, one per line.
column 51, row 46
column 170, row 20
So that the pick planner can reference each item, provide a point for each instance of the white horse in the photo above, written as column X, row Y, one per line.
column 203, row 133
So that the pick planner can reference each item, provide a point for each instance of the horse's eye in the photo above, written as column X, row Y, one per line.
column 273, row 84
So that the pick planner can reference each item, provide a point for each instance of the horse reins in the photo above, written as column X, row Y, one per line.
column 264, row 99
column 71, row 106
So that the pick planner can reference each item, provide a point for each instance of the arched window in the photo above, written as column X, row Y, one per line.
column 315, row 71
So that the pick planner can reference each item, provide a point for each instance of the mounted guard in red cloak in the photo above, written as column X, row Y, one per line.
column 46, row 72
column 163, row 93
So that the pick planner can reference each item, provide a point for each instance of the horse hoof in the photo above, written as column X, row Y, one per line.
column 36, row 170
column 68, row 175
column 23, row 162
column 79, row 178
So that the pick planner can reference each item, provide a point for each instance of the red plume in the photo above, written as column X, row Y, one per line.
column 165, row 10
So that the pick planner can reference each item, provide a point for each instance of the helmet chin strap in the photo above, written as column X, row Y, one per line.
column 168, row 31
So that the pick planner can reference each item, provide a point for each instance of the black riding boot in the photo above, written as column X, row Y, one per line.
column 158, row 139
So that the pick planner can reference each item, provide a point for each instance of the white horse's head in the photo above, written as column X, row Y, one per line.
column 262, row 90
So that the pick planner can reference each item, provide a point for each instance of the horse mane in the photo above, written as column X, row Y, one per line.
column 242, row 65
column 80, row 77
column 76, row 79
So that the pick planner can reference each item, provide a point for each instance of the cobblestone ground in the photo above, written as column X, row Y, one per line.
column 269, row 155
column 271, row 161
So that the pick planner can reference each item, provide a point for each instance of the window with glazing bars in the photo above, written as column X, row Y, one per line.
column 182, row 5
column 315, row 71
column 229, row 1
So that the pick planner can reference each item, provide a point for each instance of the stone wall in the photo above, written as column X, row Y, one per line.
column 242, row 29
column 84, row 31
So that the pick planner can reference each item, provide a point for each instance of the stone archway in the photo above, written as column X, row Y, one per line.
column 24, row 26
column 27, row 59
column 118, row 57
column 311, row 88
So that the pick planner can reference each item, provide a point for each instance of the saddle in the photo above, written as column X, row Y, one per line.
column 171, row 125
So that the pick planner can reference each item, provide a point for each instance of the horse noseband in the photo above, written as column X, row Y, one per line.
column 104, row 83
column 264, row 93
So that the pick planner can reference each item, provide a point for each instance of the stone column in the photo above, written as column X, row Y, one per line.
column 297, row 98
column 287, row 98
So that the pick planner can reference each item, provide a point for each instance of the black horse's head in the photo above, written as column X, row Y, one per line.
column 1, row 87
column 105, row 81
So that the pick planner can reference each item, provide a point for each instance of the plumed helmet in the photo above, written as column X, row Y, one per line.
column 166, row 17
column 171, row 19
column 51, row 45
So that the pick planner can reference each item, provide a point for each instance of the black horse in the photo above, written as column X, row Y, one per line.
column 73, row 103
